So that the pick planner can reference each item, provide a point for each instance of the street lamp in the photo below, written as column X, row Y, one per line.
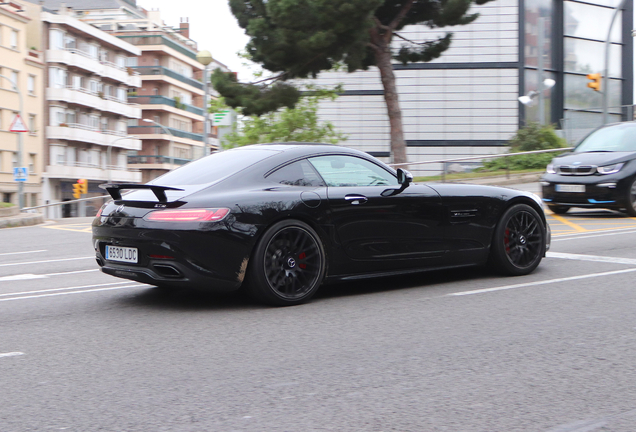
column 108, row 151
column 532, row 94
column 165, row 129
column 205, row 58
column 20, row 143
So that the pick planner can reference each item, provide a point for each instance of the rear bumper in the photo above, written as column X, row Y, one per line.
column 167, row 274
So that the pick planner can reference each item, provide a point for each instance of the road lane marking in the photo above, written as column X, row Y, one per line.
column 25, row 252
column 543, row 282
column 73, row 292
column 46, row 261
column 11, row 354
column 568, row 223
column 595, row 258
column 62, row 289
column 28, row 276
column 578, row 236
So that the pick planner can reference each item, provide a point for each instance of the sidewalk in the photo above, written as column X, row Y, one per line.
column 527, row 182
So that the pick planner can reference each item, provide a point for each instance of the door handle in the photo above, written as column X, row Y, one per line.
column 356, row 199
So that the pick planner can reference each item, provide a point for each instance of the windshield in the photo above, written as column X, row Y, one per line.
column 619, row 138
column 214, row 167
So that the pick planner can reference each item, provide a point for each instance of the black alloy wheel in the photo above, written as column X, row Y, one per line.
column 288, row 265
column 631, row 198
column 519, row 241
column 558, row 209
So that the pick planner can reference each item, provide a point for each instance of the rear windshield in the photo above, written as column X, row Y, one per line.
column 615, row 138
column 213, row 168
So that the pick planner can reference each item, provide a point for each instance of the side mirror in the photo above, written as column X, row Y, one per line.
column 404, row 177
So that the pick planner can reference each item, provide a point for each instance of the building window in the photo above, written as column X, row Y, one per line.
column 14, row 160
column 57, row 39
column 131, row 61
column 31, row 85
column 14, row 39
column 121, row 94
column 32, row 128
column 57, row 77
column 32, row 163
column 70, row 42
column 14, row 78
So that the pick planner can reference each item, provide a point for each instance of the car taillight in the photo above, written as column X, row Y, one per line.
column 187, row 215
column 99, row 212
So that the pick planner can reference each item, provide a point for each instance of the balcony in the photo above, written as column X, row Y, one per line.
column 155, row 160
column 79, row 59
column 87, row 134
column 160, row 70
column 158, row 39
column 156, row 130
column 75, row 170
column 93, row 100
column 163, row 100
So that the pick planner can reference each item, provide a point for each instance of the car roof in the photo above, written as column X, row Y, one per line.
column 297, row 149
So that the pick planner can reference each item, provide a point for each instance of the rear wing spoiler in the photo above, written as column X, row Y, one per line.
column 114, row 189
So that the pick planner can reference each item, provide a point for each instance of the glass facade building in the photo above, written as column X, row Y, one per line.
column 465, row 102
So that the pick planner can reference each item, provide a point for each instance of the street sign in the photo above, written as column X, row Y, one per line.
column 20, row 174
column 222, row 118
column 17, row 125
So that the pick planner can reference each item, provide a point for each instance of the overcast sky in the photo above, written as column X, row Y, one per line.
column 212, row 26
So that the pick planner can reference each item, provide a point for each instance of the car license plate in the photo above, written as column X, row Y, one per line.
column 569, row 188
column 123, row 254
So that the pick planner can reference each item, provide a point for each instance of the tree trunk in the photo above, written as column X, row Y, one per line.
column 398, row 145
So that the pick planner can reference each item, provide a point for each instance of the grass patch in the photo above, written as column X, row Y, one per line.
column 475, row 174
column 5, row 205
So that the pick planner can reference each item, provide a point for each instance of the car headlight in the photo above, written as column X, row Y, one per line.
column 550, row 169
column 610, row 169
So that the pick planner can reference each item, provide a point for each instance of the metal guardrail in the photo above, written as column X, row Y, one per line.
column 65, row 202
column 502, row 155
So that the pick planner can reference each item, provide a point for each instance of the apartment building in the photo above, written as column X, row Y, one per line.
column 87, row 110
column 21, row 63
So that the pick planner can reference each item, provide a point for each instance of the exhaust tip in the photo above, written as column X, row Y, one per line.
column 167, row 270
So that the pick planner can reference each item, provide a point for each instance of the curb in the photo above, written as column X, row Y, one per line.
column 21, row 219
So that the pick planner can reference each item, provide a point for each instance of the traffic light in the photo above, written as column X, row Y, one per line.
column 596, row 81
column 79, row 188
column 83, row 186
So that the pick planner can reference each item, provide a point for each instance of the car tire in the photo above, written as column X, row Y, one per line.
column 558, row 209
column 518, row 241
column 287, row 266
column 630, row 206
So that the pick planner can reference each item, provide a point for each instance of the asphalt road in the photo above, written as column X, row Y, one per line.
column 444, row 351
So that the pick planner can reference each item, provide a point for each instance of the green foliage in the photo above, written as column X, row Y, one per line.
column 255, row 100
column 529, row 138
column 300, row 38
column 6, row 205
column 289, row 124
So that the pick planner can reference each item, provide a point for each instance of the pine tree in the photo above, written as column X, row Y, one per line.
column 301, row 38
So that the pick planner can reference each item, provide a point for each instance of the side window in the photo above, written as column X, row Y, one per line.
column 340, row 171
column 299, row 173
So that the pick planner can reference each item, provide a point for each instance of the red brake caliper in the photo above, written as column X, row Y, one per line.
column 302, row 256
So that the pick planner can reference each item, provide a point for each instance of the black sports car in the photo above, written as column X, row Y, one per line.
column 599, row 172
column 279, row 219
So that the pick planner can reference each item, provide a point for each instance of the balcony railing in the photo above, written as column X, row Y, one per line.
column 157, row 39
column 160, row 70
column 163, row 100
column 156, row 130
column 156, row 159
column 92, row 129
